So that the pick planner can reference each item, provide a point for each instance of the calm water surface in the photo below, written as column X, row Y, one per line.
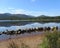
column 15, row 25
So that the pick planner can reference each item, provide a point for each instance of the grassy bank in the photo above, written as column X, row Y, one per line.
column 47, row 40
column 51, row 40
column 23, row 42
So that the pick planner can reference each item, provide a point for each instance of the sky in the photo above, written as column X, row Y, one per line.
column 31, row 7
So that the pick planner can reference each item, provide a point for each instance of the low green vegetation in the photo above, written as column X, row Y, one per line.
column 41, row 18
column 51, row 40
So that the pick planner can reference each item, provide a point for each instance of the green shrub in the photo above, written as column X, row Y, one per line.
column 51, row 40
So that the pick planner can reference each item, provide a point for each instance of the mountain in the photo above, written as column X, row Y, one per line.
column 42, row 16
column 8, row 16
column 14, row 16
column 23, row 15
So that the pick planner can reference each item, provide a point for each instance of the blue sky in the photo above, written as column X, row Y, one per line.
column 31, row 7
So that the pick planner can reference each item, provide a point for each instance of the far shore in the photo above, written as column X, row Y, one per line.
column 30, row 20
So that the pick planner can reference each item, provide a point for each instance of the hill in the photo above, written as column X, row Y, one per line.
column 8, row 16
column 41, row 18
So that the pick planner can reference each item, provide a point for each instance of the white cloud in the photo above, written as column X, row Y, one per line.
column 22, row 11
column 18, row 11
column 27, row 12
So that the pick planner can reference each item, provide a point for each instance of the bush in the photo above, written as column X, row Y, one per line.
column 51, row 40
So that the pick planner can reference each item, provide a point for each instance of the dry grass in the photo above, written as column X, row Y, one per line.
column 23, row 42
column 12, row 44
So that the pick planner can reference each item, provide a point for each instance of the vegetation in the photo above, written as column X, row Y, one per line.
column 24, row 45
column 41, row 18
column 51, row 40
column 12, row 44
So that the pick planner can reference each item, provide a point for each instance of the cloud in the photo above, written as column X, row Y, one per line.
column 33, row 13
column 18, row 11
column 27, row 12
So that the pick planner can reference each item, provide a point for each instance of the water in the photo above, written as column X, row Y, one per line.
column 15, row 25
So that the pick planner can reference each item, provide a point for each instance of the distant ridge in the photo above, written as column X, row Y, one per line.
column 8, row 16
column 12, row 16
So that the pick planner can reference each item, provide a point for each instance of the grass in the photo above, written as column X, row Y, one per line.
column 12, row 44
column 51, row 40
column 24, row 45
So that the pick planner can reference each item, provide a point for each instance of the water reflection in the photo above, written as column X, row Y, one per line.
column 29, row 25
column 23, row 25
